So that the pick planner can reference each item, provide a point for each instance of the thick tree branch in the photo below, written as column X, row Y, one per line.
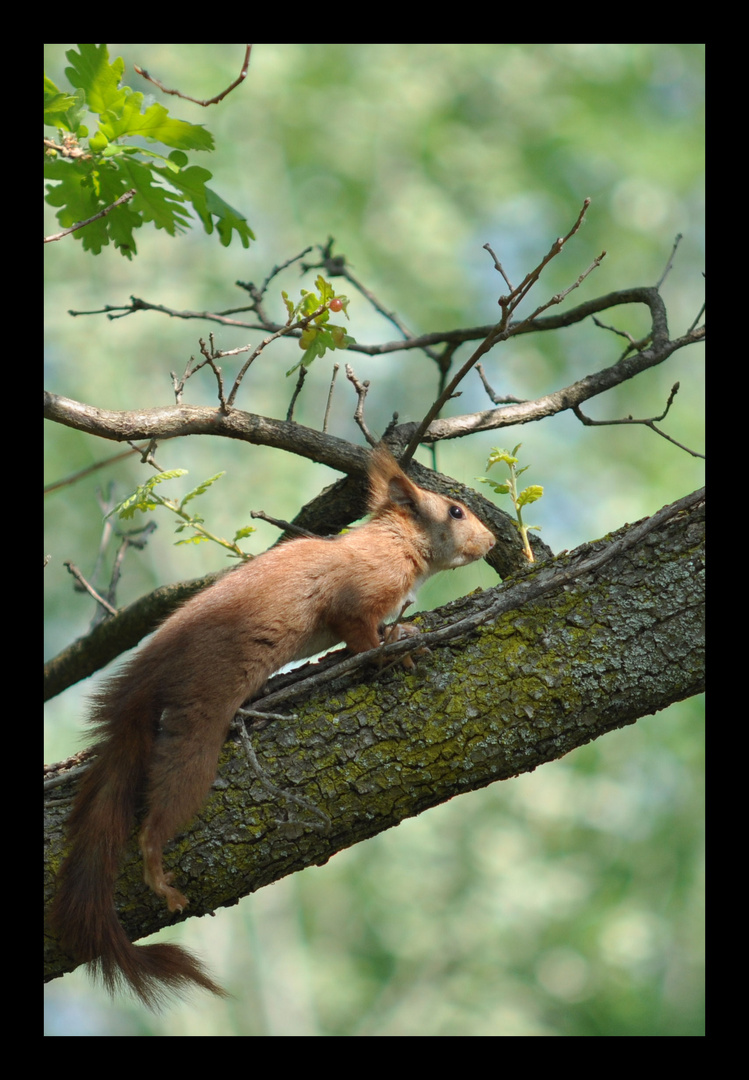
column 173, row 421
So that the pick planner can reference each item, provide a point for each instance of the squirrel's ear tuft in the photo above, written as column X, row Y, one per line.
column 387, row 481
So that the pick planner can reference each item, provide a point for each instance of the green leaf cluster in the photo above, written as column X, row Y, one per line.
column 144, row 498
column 93, row 166
column 318, row 333
column 520, row 499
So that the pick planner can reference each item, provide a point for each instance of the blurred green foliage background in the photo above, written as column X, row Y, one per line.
column 567, row 902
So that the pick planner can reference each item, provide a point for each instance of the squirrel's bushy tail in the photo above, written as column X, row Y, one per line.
column 83, row 913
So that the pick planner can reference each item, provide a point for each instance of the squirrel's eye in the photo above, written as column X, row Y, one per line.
column 456, row 512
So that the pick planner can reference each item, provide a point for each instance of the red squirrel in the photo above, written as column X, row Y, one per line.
column 163, row 718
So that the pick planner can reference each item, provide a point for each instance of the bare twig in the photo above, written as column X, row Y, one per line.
column 211, row 101
column 120, row 311
column 699, row 315
column 256, row 293
column 511, row 302
column 498, row 266
column 178, row 384
column 557, row 298
column 106, row 502
column 297, row 391
column 76, row 476
column 89, row 588
column 649, row 422
column 210, row 355
column 147, row 454
column 191, row 368
column 137, row 538
column 496, row 399
column 362, row 388
column 284, row 526
column 670, row 262
column 330, row 397
column 445, row 396
column 635, row 345
column 102, row 213
column 300, row 325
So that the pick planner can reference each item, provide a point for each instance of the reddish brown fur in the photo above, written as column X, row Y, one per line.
column 163, row 719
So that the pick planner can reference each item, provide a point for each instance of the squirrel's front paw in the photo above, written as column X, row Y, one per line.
column 400, row 631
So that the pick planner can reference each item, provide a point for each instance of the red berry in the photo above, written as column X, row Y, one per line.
column 336, row 304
